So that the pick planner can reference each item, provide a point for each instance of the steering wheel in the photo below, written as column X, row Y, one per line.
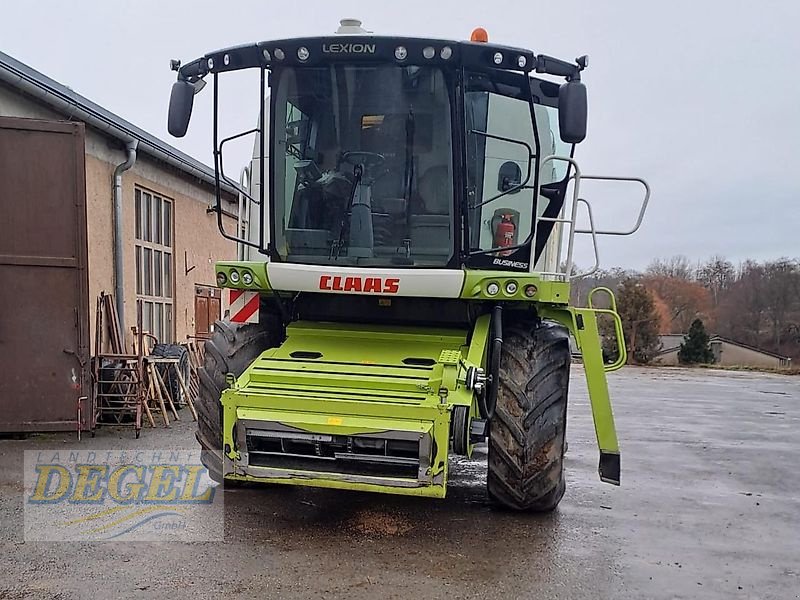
column 368, row 160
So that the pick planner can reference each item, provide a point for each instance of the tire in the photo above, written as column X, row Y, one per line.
column 168, row 374
column 231, row 349
column 527, row 436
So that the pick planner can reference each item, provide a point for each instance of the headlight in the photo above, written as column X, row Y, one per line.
column 493, row 288
column 222, row 279
column 511, row 288
column 247, row 278
column 234, row 276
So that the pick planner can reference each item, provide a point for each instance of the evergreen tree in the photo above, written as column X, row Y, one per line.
column 695, row 348
column 640, row 322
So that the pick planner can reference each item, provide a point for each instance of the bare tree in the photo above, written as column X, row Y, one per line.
column 740, row 314
column 717, row 274
column 782, row 289
column 677, row 266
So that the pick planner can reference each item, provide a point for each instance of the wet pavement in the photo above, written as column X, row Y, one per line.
column 709, row 508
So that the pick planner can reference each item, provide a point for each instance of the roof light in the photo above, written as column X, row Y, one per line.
column 400, row 53
column 279, row 54
column 226, row 59
column 498, row 58
column 303, row 53
column 210, row 63
column 522, row 61
column 446, row 52
column 266, row 54
column 479, row 34
column 428, row 52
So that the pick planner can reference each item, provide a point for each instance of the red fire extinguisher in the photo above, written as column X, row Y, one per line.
column 504, row 233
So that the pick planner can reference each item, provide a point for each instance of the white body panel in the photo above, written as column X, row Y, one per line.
column 250, row 214
column 429, row 283
column 549, row 144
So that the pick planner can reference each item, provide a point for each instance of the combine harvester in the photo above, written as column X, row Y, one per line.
column 401, row 295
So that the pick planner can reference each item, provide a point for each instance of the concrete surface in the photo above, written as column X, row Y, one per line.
column 709, row 508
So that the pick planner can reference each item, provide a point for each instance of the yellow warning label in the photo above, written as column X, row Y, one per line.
column 334, row 420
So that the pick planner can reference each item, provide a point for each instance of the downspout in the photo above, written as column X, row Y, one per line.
column 119, row 288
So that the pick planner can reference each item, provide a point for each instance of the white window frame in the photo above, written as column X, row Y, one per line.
column 154, row 250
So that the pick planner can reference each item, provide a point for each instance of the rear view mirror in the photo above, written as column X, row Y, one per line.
column 572, row 112
column 181, row 101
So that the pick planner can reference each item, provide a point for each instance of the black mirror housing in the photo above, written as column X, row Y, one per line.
column 181, row 101
column 572, row 112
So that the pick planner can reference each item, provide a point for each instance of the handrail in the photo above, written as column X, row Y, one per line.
column 622, row 351
column 593, row 232
column 575, row 192
column 642, row 209
column 571, row 220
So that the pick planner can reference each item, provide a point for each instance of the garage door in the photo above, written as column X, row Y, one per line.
column 44, row 335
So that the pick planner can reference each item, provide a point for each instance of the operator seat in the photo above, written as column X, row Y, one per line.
column 430, row 218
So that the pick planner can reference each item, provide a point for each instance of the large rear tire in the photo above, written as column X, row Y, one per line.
column 231, row 349
column 527, row 434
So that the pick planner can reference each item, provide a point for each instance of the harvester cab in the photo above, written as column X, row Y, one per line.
column 400, row 294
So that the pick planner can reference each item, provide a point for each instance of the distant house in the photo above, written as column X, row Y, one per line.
column 727, row 352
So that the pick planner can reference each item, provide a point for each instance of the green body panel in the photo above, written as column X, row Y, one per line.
column 354, row 380
column 338, row 379
column 257, row 269
column 548, row 291
column 582, row 323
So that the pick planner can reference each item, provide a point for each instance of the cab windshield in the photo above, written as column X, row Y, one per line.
column 362, row 166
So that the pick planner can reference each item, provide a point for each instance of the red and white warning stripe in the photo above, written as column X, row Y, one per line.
column 244, row 306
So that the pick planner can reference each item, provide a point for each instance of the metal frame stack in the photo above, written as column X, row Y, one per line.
column 117, row 377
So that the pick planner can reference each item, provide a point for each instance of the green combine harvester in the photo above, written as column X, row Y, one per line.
column 401, row 295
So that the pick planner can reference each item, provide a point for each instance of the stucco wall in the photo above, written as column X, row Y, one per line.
column 668, row 358
column 13, row 104
column 197, row 242
column 730, row 355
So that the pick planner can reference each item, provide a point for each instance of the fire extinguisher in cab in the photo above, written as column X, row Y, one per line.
column 504, row 234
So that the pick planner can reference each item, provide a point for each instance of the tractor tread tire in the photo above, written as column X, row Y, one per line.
column 527, row 435
column 231, row 349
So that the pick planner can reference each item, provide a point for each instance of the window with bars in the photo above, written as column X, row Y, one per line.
column 154, row 266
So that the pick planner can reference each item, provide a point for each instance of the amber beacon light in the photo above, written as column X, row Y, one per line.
column 479, row 34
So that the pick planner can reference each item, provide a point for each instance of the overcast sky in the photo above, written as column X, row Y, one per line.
column 700, row 98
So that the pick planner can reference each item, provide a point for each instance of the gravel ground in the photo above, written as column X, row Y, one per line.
column 709, row 508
